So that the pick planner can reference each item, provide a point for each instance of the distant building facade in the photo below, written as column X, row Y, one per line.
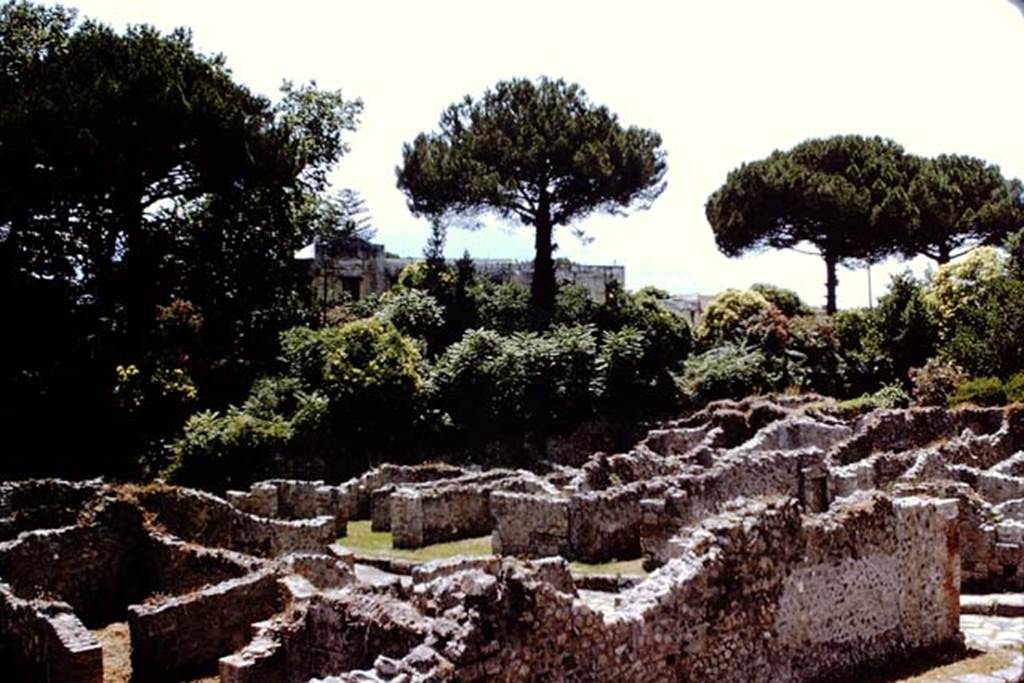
column 689, row 306
column 355, row 268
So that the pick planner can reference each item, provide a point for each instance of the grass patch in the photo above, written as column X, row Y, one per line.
column 361, row 539
column 364, row 541
column 622, row 567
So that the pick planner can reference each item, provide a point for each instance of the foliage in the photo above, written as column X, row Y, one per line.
column 525, row 380
column 903, row 331
column 135, row 171
column 983, row 391
column 978, row 305
column 574, row 305
column 504, row 307
column 935, row 382
column 786, row 300
column 1015, row 388
column 412, row 312
column 844, row 195
column 959, row 203
column 888, row 397
column 278, row 418
column 668, row 336
column 742, row 317
column 726, row 371
column 537, row 152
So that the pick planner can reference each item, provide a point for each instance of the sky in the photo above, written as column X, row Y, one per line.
column 722, row 81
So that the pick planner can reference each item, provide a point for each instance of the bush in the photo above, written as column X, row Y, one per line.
column 934, row 383
column 1015, row 388
column 505, row 307
column 984, row 391
column 412, row 312
column 277, row 419
column 888, row 397
column 726, row 371
column 742, row 317
column 786, row 300
column 903, row 330
column 574, row 305
column 491, row 381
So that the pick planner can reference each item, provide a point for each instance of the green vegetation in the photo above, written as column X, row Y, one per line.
column 539, row 152
column 615, row 567
column 362, row 540
column 857, row 199
column 150, row 208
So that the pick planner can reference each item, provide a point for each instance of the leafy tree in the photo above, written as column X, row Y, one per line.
column 134, row 172
column 537, row 152
column 903, row 331
column 978, row 306
column 846, row 196
column 961, row 202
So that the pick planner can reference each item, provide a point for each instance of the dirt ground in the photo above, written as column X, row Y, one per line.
column 117, row 655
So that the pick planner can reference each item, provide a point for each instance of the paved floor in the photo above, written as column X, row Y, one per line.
column 993, row 633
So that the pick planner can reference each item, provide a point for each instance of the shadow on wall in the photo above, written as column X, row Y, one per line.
column 1019, row 4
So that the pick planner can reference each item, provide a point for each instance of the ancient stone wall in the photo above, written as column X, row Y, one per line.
column 43, row 504
column 97, row 568
column 43, row 640
column 182, row 637
column 753, row 598
column 209, row 520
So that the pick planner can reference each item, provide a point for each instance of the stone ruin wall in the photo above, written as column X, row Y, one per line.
column 752, row 599
column 762, row 516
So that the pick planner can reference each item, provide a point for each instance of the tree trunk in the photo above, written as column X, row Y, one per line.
column 944, row 252
column 831, row 283
column 542, row 289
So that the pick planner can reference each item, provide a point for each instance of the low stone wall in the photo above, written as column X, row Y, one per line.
column 96, row 568
column 359, row 491
column 752, row 597
column 419, row 518
column 999, row 488
column 43, row 640
column 326, row 636
column 183, row 637
column 204, row 518
column 605, row 525
column 175, row 566
column 43, row 504
column 294, row 499
column 530, row 525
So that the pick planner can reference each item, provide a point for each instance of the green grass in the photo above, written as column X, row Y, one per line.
column 362, row 540
column 623, row 567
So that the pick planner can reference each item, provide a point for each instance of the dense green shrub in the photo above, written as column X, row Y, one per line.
column 726, row 371
column 743, row 317
column 935, row 382
column 504, row 307
column 1015, row 388
column 786, row 300
column 983, row 391
column 526, row 379
column 574, row 305
column 888, row 397
column 903, row 331
column 277, row 419
column 412, row 312
column 978, row 303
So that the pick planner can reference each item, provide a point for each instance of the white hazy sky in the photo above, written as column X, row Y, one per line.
column 723, row 81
